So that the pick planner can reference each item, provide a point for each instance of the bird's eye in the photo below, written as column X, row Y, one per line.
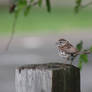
column 60, row 42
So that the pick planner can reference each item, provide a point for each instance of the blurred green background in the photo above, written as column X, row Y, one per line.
column 61, row 18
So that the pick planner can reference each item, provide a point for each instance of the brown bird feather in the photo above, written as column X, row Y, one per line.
column 68, row 48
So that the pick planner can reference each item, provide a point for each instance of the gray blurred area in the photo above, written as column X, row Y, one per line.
column 40, row 49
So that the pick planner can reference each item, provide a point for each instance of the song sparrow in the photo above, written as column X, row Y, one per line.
column 66, row 50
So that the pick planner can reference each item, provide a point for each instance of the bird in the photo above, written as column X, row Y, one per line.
column 66, row 50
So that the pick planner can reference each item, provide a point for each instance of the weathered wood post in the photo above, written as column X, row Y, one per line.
column 51, row 77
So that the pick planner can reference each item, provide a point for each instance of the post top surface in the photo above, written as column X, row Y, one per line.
column 49, row 66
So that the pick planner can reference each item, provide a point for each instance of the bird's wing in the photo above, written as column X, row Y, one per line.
column 71, row 50
column 68, row 48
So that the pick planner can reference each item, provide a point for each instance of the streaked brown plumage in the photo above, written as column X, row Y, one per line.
column 66, row 50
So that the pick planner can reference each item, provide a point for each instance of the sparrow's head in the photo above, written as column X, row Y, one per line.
column 61, row 42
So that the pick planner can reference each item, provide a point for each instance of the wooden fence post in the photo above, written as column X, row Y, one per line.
column 51, row 77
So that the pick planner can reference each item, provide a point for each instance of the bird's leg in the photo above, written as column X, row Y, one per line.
column 71, row 62
column 65, row 61
column 68, row 58
column 72, row 59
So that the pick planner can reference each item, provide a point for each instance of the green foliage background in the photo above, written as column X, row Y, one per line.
column 38, row 21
